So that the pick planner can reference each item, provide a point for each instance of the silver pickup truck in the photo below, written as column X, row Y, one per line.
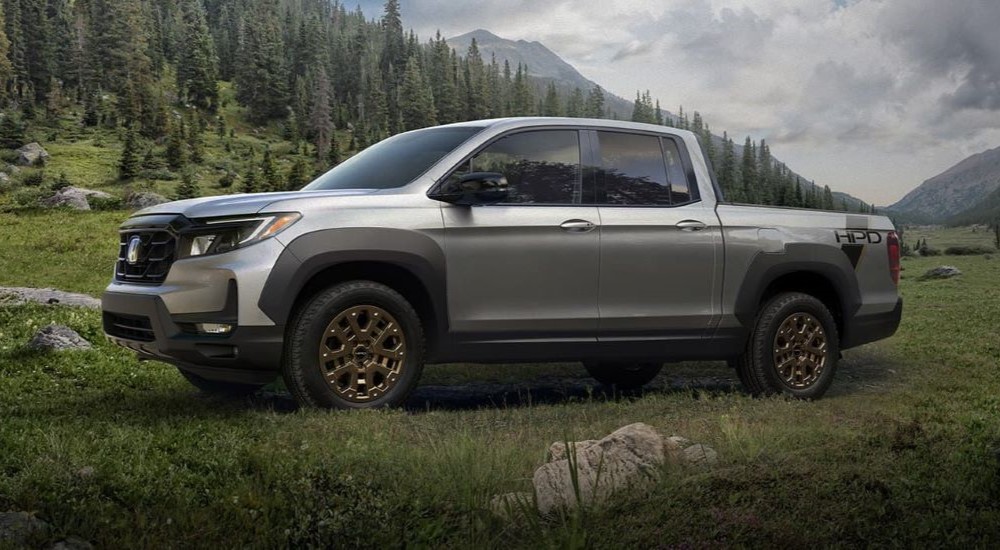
column 523, row 239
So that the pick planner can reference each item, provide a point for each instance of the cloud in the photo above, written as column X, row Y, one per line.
column 868, row 96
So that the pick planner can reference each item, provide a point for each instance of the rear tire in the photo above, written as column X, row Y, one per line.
column 623, row 375
column 215, row 387
column 793, row 349
column 355, row 345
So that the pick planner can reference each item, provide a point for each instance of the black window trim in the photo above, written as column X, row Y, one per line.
column 685, row 159
column 585, row 170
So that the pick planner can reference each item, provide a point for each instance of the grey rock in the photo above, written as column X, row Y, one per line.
column 4, row 178
column 30, row 154
column 10, row 169
column 46, row 296
column 942, row 272
column 700, row 455
column 557, row 451
column 625, row 458
column 58, row 338
column 19, row 528
column 144, row 199
column 73, row 197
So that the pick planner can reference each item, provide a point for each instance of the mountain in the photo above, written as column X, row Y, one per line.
column 986, row 211
column 960, row 189
column 543, row 65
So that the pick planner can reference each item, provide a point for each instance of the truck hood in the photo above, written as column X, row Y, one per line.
column 238, row 205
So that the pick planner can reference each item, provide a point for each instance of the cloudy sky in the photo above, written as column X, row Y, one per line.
column 868, row 96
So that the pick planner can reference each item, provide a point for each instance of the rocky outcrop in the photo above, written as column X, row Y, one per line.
column 942, row 272
column 76, row 198
column 588, row 472
column 32, row 154
column 58, row 338
column 46, row 296
column 23, row 530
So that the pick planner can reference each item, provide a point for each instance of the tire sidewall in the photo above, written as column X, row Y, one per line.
column 779, row 309
column 317, row 315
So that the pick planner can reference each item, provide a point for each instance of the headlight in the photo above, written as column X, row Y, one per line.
column 224, row 234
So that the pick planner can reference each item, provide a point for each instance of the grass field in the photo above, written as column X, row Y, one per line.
column 904, row 450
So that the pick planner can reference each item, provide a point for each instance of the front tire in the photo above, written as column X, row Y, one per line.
column 623, row 375
column 793, row 349
column 355, row 345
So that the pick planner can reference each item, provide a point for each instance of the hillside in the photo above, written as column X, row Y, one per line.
column 543, row 65
column 959, row 190
column 986, row 211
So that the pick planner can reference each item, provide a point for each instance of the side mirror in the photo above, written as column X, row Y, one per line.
column 473, row 188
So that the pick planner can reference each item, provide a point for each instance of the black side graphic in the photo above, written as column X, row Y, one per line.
column 853, row 252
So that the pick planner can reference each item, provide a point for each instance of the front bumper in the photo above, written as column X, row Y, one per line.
column 142, row 323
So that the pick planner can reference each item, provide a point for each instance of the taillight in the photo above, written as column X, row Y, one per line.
column 892, row 247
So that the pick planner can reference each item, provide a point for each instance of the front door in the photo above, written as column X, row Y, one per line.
column 527, row 268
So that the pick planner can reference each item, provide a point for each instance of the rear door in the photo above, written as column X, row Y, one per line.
column 661, row 245
column 527, row 268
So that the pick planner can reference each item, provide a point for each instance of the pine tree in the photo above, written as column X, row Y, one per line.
column 269, row 173
column 595, row 103
column 475, row 83
column 552, row 106
column 11, row 131
column 333, row 157
column 298, row 176
column 188, row 189
column 575, row 104
column 176, row 148
column 6, row 68
column 196, row 142
column 251, row 182
column 523, row 103
column 320, row 121
column 416, row 101
column 827, row 198
column 261, row 77
column 727, row 171
column 749, row 172
column 197, row 74
column 129, row 164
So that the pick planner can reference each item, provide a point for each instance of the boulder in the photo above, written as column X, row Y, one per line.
column 72, row 543
column 19, row 529
column 628, row 456
column 31, row 154
column 942, row 272
column 700, row 455
column 46, row 296
column 58, row 338
column 10, row 169
column 73, row 197
column 144, row 199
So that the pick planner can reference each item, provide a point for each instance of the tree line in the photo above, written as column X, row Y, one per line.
column 309, row 67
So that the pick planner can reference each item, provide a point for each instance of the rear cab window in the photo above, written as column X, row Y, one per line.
column 642, row 170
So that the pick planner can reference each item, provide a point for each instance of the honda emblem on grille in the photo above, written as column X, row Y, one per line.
column 133, row 250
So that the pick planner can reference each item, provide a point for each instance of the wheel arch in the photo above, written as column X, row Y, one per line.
column 817, row 270
column 410, row 263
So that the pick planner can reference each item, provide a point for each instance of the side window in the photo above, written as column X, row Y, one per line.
column 642, row 170
column 541, row 167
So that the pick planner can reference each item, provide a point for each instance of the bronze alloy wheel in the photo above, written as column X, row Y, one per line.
column 800, row 350
column 361, row 353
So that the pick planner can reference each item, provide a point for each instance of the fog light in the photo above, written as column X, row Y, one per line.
column 214, row 328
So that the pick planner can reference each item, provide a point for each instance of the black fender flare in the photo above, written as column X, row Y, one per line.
column 818, row 259
column 310, row 254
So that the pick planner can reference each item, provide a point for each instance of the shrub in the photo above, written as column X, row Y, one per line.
column 28, row 198
column 32, row 178
column 110, row 203
column 967, row 250
column 928, row 251
column 160, row 174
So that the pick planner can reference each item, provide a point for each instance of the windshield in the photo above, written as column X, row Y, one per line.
column 396, row 161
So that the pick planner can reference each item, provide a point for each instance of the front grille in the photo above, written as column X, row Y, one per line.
column 131, row 327
column 157, row 251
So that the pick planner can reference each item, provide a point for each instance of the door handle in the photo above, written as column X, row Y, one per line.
column 691, row 225
column 577, row 226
